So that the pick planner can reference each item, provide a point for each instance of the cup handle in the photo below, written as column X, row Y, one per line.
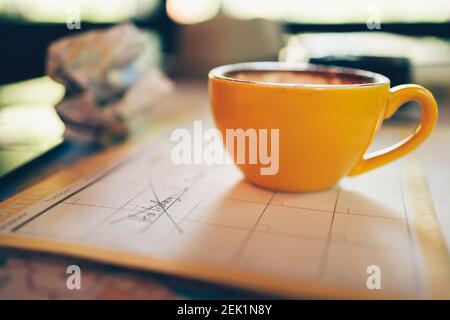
column 429, row 111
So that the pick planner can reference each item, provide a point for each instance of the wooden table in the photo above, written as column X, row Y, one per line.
column 43, row 276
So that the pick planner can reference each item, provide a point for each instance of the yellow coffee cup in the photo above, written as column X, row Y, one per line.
column 325, row 119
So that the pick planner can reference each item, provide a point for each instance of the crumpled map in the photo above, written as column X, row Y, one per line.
column 110, row 75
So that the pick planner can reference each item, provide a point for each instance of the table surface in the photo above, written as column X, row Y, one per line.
column 32, row 275
column 36, row 275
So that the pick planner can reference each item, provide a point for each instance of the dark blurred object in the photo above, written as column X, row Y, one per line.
column 24, row 43
column 225, row 40
column 429, row 58
column 398, row 70
column 438, row 29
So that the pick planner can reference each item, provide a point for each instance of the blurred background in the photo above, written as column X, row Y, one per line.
column 408, row 41
column 192, row 36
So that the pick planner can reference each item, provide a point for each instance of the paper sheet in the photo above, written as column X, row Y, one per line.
column 206, row 222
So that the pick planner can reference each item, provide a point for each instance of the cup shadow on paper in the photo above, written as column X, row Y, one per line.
column 244, row 194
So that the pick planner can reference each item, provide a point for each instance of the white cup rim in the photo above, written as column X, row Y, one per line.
column 223, row 72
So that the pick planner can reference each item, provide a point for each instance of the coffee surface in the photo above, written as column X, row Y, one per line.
column 300, row 77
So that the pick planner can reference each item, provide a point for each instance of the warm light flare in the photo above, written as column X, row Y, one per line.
column 192, row 11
